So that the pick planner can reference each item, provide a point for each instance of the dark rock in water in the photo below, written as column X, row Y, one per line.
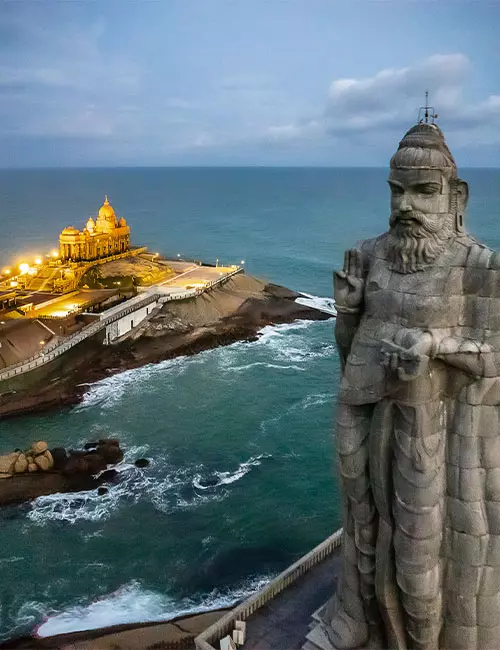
column 95, row 462
column 76, row 465
column 77, row 453
column 109, row 441
column 90, row 445
column 102, row 490
column 60, row 457
column 112, row 454
column 141, row 462
column 109, row 475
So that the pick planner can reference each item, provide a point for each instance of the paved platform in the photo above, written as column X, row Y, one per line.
column 282, row 624
column 195, row 276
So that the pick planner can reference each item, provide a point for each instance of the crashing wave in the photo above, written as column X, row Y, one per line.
column 134, row 604
column 173, row 489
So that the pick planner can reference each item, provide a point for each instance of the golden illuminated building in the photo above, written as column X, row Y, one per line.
column 105, row 236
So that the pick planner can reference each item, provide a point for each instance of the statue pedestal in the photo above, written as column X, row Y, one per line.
column 318, row 638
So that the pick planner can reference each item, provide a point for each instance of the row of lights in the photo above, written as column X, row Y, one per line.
column 26, row 269
column 180, row 255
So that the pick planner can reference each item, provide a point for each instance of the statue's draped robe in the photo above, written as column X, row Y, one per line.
column 420, row 460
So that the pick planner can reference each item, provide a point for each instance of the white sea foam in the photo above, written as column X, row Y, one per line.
column 316, row 400
column 172, row 490
column 106, row 393
column 285, row 343
column 134, row 604
column 256, row 364
column 226, row 478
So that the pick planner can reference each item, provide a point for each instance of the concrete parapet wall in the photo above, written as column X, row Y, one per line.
column 224, row 626
column 127, row 323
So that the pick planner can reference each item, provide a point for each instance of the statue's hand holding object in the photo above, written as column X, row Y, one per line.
column 408, row 355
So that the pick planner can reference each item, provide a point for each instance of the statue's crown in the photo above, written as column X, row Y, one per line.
column 423, row 146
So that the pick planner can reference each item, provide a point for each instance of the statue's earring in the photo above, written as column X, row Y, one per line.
column 459, row 223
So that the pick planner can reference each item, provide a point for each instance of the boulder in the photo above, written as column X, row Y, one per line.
column 109, row 441
column 77, row 453
column 102, row 490
column 50, row 459
column 75, row 466
column 59, row 456
column 39, row 447
column 90, row 445
column 112, row 454
column 110, row 475
column 141, row 462
column 95, row 462
column 42, row 462
column 21, row 464
column 32, row 467
column 7, row 462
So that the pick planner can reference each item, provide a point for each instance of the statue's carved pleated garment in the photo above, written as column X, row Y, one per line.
column 420, row 462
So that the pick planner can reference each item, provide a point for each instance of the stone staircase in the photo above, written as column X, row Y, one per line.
column 44, row 281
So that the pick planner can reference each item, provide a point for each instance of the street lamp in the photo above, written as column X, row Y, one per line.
column 242, row 262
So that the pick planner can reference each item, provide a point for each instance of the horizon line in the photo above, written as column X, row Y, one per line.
column 249, row 166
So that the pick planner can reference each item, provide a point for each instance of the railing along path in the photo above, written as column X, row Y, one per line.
column 51, row 352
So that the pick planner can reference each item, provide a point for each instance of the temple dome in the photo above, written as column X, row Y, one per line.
column 70, row 231
column 106, row 210
column 90, row 224
column 122, row 223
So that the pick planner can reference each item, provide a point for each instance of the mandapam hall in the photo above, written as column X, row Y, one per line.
column 105, row 236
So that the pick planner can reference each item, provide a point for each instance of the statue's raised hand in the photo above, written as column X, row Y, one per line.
column 408, row 355
column 349, row 284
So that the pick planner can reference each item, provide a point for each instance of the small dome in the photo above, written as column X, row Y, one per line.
column 90, row 224
column 70, row 231
column 122, row 223
column 106, row 210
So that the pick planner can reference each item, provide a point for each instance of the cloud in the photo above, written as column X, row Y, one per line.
column 387, row 102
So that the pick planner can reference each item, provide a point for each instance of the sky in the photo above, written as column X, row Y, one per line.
column 244, row 82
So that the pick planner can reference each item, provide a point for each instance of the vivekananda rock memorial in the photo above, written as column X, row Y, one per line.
column 106, row 235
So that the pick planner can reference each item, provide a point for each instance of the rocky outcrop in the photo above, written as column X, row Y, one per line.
column 234, row 311
column 39, row 471
column 35, row 459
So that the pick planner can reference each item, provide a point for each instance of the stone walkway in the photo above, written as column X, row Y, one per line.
column 283, row 623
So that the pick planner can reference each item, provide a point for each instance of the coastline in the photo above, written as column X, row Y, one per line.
column 234, row 311
column 126, row 636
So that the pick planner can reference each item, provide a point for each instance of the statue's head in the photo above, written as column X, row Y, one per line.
column 428, row 200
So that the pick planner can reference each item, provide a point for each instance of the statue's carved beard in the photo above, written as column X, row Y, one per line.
column 414, row 244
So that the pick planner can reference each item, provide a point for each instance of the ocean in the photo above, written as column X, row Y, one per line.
column 242, row 480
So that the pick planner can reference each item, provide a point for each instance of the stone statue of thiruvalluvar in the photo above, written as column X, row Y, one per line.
column 418, row 419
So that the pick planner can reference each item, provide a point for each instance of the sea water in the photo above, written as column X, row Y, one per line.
column 242, row 479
